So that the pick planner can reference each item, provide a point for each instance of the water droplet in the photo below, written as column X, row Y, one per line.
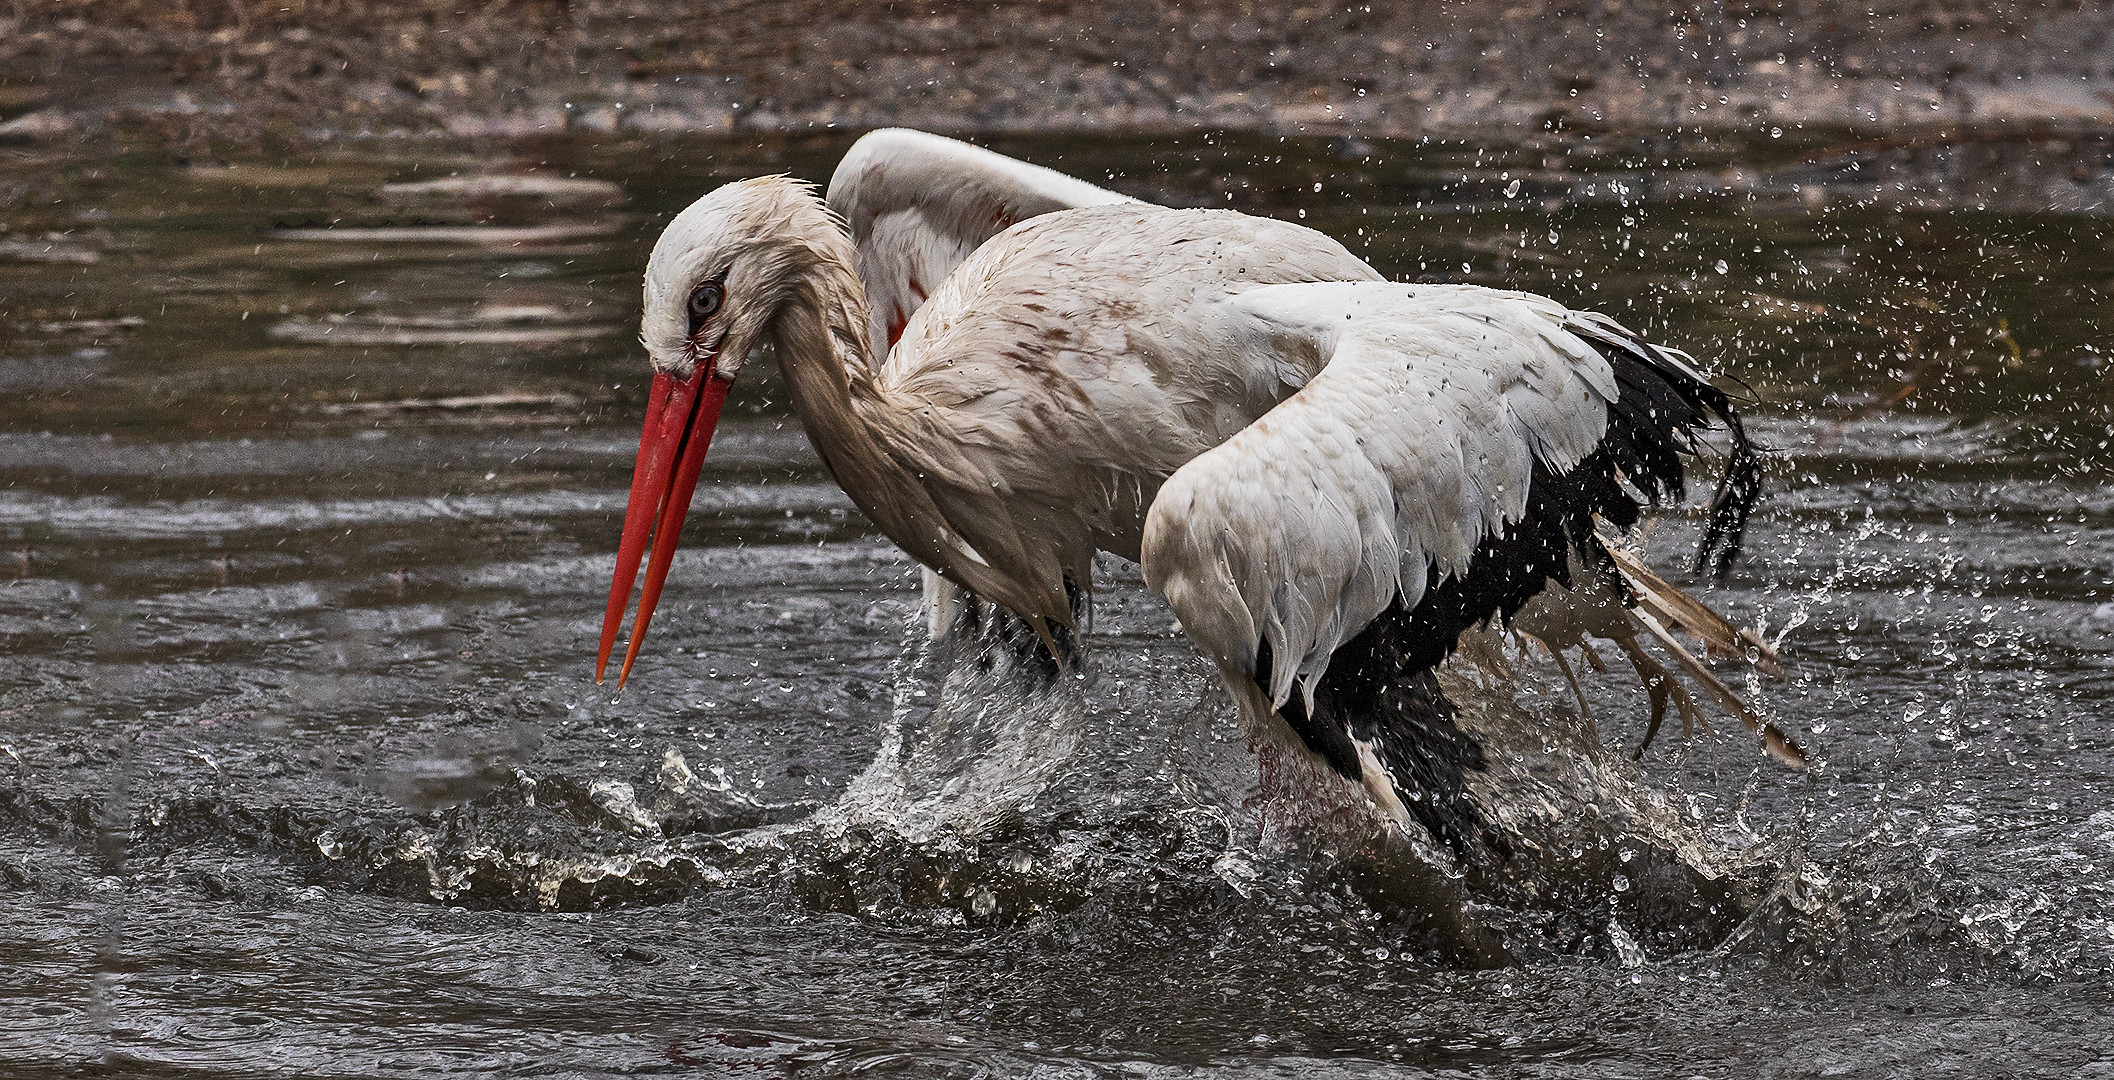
column 1626, row 948
column 1723, row 266
column 983, row 902
column 1512, row 190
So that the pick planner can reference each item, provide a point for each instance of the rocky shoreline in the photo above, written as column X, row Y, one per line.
column 307, row 70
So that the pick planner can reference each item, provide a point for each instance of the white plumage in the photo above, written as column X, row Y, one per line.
column 920, row 204
column 1327, row 475
column 1414, row 443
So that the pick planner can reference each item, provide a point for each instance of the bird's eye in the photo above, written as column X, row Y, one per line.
column 704, row 303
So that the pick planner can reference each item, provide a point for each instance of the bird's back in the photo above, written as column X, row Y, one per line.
column 1124, row 281
column 1076, row 360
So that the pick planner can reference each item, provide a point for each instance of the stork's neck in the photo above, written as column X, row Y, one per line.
column 826, row 356
column 881, row 442
column 821, row 333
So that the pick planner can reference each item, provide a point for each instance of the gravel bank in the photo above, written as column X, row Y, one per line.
column 309, row 69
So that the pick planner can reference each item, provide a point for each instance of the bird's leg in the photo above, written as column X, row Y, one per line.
column 991, row 631
column 1279, row 774
column 1270, row 802
column 944, row 601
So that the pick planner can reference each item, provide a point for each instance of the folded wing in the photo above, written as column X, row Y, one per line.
column 1449, row 463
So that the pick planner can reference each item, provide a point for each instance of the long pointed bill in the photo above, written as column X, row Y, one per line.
column 680, row 416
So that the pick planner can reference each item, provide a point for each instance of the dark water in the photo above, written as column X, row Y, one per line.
column 307, row 535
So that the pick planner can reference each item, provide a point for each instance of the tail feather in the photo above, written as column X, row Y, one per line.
column 1737, row 492
column 1741, row 484
column 1660, row 606
column 1673, row 607
column 1774, row 740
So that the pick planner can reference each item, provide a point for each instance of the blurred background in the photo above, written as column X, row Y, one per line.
column 321, row 68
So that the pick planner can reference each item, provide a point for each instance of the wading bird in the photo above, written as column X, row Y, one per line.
column 1330, row 477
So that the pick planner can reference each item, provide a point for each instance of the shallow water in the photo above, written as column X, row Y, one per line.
column 309, row 487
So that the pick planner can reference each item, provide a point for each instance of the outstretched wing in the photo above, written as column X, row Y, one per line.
column 1444, row 467
column 919, row 204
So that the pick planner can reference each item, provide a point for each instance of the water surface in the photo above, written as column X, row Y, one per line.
column 310, row 475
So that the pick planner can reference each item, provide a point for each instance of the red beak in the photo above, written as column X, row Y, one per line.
column 680, row 416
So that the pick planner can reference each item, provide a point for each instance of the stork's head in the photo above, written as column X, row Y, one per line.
column 718, row 278
column 724, row 267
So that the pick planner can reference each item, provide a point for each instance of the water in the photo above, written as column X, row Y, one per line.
column 308, row 534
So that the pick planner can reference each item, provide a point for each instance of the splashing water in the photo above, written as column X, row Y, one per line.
column 298, row 771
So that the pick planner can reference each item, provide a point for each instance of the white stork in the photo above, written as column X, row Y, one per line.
column 1330, row 477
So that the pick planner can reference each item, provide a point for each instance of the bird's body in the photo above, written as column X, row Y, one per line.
column 1329, row 476
column 1076, row 361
